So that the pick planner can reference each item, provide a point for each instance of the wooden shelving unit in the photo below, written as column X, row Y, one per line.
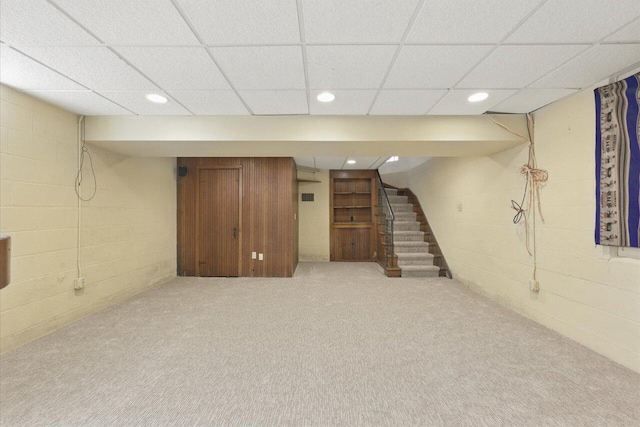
column 353, row 200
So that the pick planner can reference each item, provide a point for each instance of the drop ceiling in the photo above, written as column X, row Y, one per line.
column 272, row 57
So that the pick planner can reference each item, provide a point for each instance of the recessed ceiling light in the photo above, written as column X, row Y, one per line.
column 326, row 97
column 158, row 99
column 393, row 159
column 477, row 97
column 351, row 162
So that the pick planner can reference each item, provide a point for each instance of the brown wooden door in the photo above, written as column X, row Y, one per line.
column 219, row 222
column 351, row 244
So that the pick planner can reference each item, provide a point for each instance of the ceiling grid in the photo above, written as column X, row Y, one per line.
column 379, row 57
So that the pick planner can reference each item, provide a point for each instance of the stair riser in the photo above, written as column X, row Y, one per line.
column 428, row 262
column 402, row 208
column 426, row 273
column 406, row 226
column 408, row 238
column 405, row 216
column 398, row 199
column 391, row 191
column 410, row 249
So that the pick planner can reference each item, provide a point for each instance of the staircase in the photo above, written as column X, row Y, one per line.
column 409, row 241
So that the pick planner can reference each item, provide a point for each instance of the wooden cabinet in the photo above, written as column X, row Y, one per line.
column 352, row 202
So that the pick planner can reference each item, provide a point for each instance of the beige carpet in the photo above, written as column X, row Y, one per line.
column 339, row 344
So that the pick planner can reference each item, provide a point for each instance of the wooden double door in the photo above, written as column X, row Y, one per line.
column 218, row 241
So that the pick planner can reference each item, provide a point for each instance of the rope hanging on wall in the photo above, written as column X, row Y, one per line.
column 531, row 195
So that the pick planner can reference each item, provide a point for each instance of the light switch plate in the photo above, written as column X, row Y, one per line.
column 254, row 255
column 261, row 257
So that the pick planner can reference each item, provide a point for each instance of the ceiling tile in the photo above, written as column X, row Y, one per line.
column 528, row 100
column 595, row 64
column 406, row 102
column 518, row 66
column 271, row 102
column 210, row 102
column 433, row 67
column 628, row 33
column 347, row 102
column 306, row 162
column 82, row 102
column 362, row 21
column 330, row 162
column 456, row 103
column 185, row 68
column 468, row 21
column 361, row 162
column 243, row 21
column 138, row 103
column 348, row 67
column 24, row 73
column 264, row 67
column 569, row 21
column 37, row 22
column 94, row 67
column 126, row 22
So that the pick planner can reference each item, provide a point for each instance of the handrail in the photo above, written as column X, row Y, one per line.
column 381, row 185
column 385, row 211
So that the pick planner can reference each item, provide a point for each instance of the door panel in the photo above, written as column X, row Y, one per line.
column 351, row 244
column 219, row 222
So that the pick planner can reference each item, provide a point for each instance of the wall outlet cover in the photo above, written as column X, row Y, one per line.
column 534, row 285
column 80, row 283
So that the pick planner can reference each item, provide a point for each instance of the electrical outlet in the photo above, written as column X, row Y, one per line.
column 80, row 282
column 254, row 255
column 534, row 285
column 261, row 257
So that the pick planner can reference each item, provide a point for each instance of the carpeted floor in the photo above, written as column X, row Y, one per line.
column 339, row 344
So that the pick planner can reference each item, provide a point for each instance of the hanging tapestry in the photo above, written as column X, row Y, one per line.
column 618, row 163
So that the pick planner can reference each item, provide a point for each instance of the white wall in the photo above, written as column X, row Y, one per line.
column 128, row 238
column 585, row 294
column 314, row 218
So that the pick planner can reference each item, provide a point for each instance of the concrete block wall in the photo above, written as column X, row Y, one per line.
column 128, row 233
column 587, row 293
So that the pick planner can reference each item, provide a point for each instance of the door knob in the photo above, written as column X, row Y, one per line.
column 234, row 232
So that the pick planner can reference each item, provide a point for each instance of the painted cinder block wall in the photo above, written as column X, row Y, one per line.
column 128, row 233
column 586, row 293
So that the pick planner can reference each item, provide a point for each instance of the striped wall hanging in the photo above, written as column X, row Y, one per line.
column 618, row 163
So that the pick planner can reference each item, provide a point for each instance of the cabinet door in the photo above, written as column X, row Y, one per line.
column 351, row 244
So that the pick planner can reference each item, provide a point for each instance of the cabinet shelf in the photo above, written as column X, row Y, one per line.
column 344, row 193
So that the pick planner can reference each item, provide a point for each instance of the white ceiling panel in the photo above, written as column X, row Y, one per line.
column 306, row 162
column 593, row 65
column 433, row 67
column 268, row 102
column 347, row 102
column 468, row 21
column 330, row 162
column 126, row 22
column 36, row 22
column 348, row 67
column 628, row 33
column 243, row 21
column 263, row 67
column 518, row 66
column 528, row 100
column 362, row 162
column 82, row 102
column 137, row 102
column 94, row 67
column 185, row 68
column 210, row 102
column 568, row 21
column 455, row 102
column 24, row 73
column 406, row 102
column 356, row 21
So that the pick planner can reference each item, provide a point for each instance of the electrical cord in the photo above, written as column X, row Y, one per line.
column 85, row 151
